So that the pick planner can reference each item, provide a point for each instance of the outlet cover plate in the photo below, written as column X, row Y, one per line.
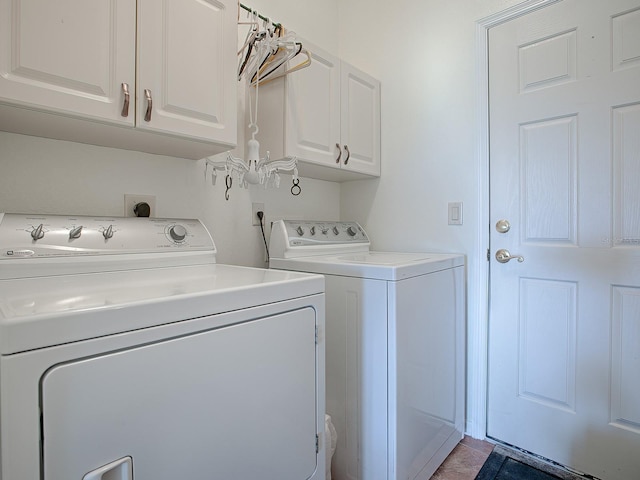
column 255, row 208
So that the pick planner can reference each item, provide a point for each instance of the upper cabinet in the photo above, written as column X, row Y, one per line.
column 187, row 63
column 155, row 76
column 327, row 115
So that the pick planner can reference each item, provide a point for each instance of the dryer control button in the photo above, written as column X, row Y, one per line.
column 300, row 231
column 38, row 232
column 351, row 231
column 75, row 232
column 177, row 233
column 107, row 233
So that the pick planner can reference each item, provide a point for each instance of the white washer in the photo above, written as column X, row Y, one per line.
column 395, row 348
column 126, row 352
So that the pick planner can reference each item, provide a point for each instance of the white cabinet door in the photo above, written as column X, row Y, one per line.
column 68, row 56
column 185, row 62
column 71, row 58
column 331, row 119
column 360, row 121
column 312, row 130
column 334, row 115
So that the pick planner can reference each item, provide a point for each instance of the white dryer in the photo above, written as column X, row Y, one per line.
column 127, row 352
column 395, row 348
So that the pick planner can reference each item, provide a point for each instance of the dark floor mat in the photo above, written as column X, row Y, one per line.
column 500, row 467
column 505, row 464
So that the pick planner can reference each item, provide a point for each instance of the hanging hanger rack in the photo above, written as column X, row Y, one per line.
column 266, row 51
column 261, row 17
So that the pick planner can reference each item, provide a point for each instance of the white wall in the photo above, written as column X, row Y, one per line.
column 316, row 21
column 49, row 176
column 424, row 53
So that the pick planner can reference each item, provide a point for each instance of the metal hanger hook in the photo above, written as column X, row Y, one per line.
column 228, row 182
column 255, row 131
column 296, row 189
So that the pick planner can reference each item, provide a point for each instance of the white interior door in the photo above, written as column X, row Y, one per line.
column 564, row 332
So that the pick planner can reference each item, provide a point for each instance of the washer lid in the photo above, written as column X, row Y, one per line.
column 45, row 311
column 376, row 265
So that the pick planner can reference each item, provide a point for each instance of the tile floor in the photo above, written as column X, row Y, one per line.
column 465, row 461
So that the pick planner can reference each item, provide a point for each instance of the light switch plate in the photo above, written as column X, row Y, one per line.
column 455, row 213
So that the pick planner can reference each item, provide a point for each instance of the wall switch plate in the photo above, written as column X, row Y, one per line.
column 255, row 208
column 455, row 213
column 131, row 200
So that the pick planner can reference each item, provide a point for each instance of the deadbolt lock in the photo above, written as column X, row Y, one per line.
column 503, row 226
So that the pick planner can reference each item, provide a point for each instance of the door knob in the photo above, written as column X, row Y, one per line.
column 503, row 256
column 503, row 226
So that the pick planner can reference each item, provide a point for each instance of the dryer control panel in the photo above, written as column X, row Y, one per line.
column 32, row 235
column 34, row 245
column 291, row 238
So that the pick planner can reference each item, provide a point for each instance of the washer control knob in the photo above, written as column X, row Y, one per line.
column 351, row 231
column 177, row 233
column 313, row 230
column 107, row 233
column 38, row 232
column 75, row 232
column 300, row 231
column 324, row 230
column 335, row 231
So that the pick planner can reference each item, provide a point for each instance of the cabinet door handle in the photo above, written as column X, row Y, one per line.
column 147, row 95
column 339, row 153
column 346, row 149
column 125, row 105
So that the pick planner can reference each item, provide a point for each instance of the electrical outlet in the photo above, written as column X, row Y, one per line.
column 131, row 200
column 255, row 208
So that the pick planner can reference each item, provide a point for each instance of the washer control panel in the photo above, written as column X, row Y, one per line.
column 303, row 238
column 301, row 233
column 32, row 236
